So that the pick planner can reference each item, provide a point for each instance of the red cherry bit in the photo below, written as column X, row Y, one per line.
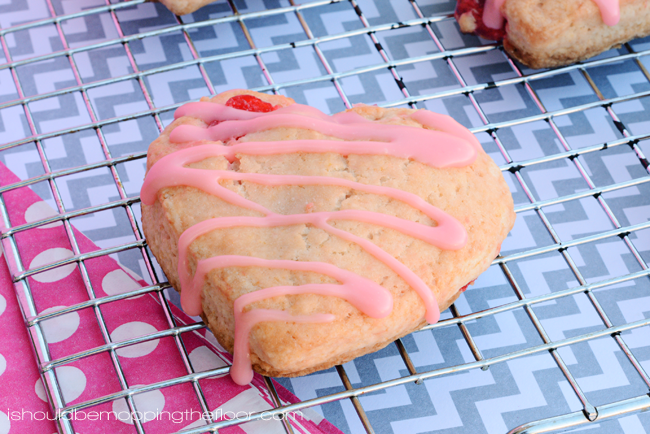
column 250, row 103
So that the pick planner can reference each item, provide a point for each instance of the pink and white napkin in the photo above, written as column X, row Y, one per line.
column 23, row 403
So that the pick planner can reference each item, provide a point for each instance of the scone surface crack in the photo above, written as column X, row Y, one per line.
column 306, row 240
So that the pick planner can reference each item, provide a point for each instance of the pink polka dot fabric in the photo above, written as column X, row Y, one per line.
column 23, row 398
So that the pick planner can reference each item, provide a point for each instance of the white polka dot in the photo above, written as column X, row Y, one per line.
column 72, row 381
column 39, row 211
column 131, row 272
column 61, row 327
column 49, row 256
column 118, row 282
column 3, row 364
column 133, row 330
column 40, row 390
column 148, row 405
column 121, row 411
column 5, row 423
column 3, row 304
column 203, row 359
column 213, row 340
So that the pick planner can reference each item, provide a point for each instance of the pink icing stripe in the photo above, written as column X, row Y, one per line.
column 610, row 12
column 370, row 298
column 241, row 371
column 207, row 113
column 449, row 234
column 492, row 16
column 446, row 124
column 442, row 149
column 318, row 220
column 451, row 146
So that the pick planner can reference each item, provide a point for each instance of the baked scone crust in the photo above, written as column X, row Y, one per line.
column 476, row 195
column 551, row 33
column 183, row 7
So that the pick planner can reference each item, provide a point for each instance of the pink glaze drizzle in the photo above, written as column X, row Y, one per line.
column 493, row 18
column 370, row 298
column 366, row 138
column 169, row 171
column 610, row 11
column 451, row 146
column 318, row 220
column 241, row 371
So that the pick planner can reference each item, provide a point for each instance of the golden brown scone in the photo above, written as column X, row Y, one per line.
column 182, row 7
column 475, row 195
column 550, row 33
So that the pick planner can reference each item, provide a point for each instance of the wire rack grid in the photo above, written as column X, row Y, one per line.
column 522, row 78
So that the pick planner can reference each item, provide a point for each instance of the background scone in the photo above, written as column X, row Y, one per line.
column 182, row 7
column 548, row 33
column 468, row 197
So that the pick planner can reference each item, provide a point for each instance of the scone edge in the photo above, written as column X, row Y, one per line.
column 555, row 33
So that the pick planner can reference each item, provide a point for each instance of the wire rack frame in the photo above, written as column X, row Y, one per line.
column 32, row 319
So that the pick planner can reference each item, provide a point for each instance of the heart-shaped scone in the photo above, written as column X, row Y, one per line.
column 306, row 240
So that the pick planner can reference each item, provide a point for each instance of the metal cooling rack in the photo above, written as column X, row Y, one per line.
column 449, row 56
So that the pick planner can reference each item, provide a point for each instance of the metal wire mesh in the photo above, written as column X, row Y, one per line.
column 449, row 56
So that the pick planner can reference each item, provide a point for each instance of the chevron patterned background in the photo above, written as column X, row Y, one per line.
column 475, row 401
